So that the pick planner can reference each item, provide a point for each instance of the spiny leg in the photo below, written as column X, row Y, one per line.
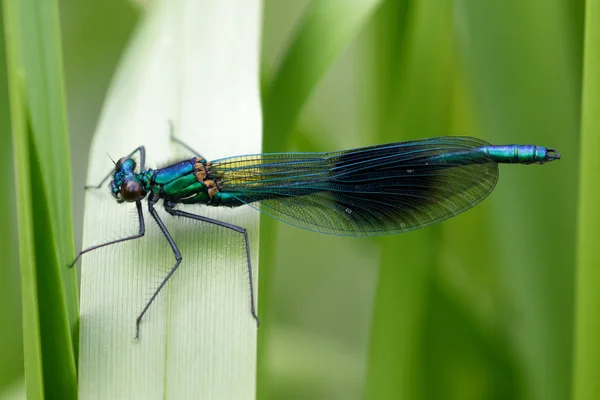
column 165, row 231
column 239, row 229
column 141, row 233
column 181, row 142
column 142, row 151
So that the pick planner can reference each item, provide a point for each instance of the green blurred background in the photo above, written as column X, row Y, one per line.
column 480, row 306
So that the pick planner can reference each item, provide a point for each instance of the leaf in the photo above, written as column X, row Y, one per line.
column 511, row 71
column 38, row 117
column 327, row 28
column 414, row 91
column 195, row 63
column 11, row 336
column 587, row 357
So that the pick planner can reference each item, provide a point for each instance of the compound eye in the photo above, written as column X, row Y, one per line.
column 131, row 191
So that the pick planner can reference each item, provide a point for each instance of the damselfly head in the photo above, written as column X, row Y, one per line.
column 126, row 185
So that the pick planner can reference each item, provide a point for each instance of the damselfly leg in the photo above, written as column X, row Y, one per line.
column 235, row 228
column 181, row 142
column 142, row 231
column 169, row 207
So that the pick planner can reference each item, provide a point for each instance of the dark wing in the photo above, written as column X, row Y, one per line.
column 375, row 190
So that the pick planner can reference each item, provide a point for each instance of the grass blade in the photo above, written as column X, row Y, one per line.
column 11, row 336
column 195, row 63
column 49, row 289
column 587, row 353
column 413, row 96
column 518, row 98
column 326, row 29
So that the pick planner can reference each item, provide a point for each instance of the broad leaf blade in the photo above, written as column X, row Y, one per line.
column 587, row 356
column 41, row 152
column 195, row 63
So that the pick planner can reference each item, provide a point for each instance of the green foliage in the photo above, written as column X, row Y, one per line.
column 326, row 28
column 413, row 98
column 11, row 342
column 49, row 291
column 587, row 356
column 479, row 306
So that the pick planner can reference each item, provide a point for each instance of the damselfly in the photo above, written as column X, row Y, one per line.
column 376, row 190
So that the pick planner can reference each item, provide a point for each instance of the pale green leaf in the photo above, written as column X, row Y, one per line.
column 195, row 63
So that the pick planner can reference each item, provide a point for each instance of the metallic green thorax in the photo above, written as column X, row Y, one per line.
column 186, row 182
column 179, row 182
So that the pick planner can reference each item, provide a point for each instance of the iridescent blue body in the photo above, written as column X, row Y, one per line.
column 375, row 190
